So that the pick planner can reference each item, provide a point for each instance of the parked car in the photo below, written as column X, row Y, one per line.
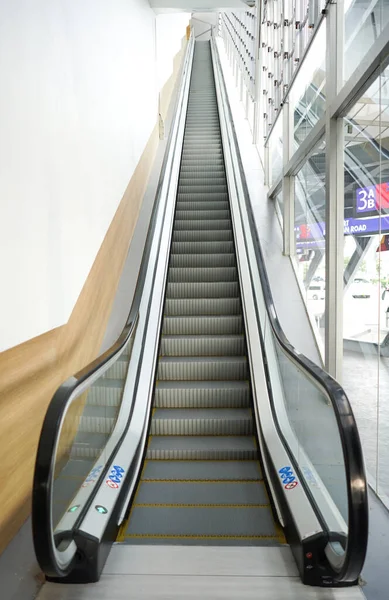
column 361, row 288
column 316, row 291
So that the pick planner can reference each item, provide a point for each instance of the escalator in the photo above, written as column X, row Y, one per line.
column 202, row 461
column 202, row 425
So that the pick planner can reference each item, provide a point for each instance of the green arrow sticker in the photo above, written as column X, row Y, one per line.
column 73, row 509
column 101, row 509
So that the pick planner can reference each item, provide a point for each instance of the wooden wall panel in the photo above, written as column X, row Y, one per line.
column 31, row 372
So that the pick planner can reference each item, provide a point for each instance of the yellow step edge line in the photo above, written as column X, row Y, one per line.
column 202, row 505
column 200, row 537
column 124, row 525
column 280, row 532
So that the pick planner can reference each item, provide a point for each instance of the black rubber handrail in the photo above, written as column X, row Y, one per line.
column 358, row 516
column 45, row 457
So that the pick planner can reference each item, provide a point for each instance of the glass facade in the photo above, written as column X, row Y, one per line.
column 275, row 152
column 343, row 170
column 307, row 95
column 309, row 227
column 366, row 272
column 364, row 22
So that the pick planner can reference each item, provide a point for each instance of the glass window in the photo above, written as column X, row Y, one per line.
column 280, row 206
column 307, row 95
column 364, row 21
column 366, row 274
column 275, row 152
column 310, row 206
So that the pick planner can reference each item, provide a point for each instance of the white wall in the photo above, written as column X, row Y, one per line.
column 79, row 99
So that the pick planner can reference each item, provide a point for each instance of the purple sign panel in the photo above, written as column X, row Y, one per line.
column 371, row 199
column 310, row 236
column 366, row 199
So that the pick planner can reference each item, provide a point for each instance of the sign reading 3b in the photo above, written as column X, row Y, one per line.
column 372, row 198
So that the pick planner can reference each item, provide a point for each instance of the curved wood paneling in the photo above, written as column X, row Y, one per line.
column 31, row 372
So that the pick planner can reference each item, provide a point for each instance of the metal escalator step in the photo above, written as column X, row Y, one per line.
column 202, row 235
column 207, row 447
column 201, row 197
column 106, row 392
column 203, row 109
column 204, row 148
column 211, row 180
column 205, row 521
column 202, row 260
column 199, row 163
column 202, row 470
column 98, row 419
column 203, row 188
column 77, row 469
column 202, row 306
column 208, row 289
column 189, row 225
column 216, row 493
column 203, row 204
column 201, row 155
column 217, row 172
column 212, row 171
column 203, row 115
column 202, row 421
column 202, row 161
column 202, row 394
column 202, row 274
column 204, row 325
column 209, row 146
column 118, row 370
column 194, row 135
column 194, row 368
column 88, row 445
column 210, row 345
column 195, row 124
column 209, row 169
column 210, row 247
column 195, row 215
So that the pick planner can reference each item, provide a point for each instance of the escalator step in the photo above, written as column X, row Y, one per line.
column 201, row 197
column 181, row 447
column 202, row 235
column 209, row 345
column 202, row 522
column 118, row 370
column 98, row 419
column 201, row 470
column 206, row 493
column 203, row 247
column 208, row 289
column 216, row 325
column 204, row 224
column 197, row 368
column 202, row 394
column 106, row 392
column 204, row 188
column 202, row 204
column 206, row 421
column 202, row 260
column 202, row 306
column 196, row 215
column 202, row 274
